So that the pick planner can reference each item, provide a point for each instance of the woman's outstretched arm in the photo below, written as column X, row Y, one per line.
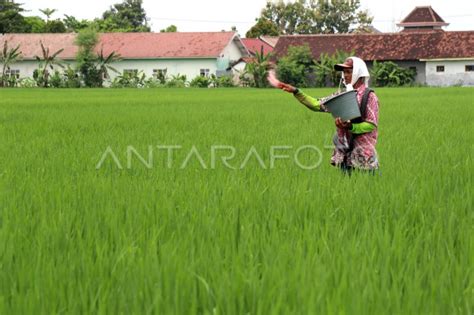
column 308, row 101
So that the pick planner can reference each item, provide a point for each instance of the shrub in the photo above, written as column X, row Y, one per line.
column 71, row 78
column 200, row 82
column 297, row 67
column 27, row 83
column 325, row 73
column 246, row 79
column 38, row 76
column 390, row 74
column 130, row 80
column 176, row 81
column 56, row 80
column 10, row 81
column 153, row 83
column 224, row 81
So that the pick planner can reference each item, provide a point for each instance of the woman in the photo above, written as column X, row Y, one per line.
column 355, row 140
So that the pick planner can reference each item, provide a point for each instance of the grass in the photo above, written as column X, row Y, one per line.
column 164, row 240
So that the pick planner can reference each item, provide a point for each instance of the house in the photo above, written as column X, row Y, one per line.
column 253, row 45
column 440, row 58
column 189, row 54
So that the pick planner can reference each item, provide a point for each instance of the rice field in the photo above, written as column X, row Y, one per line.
column 120, row 202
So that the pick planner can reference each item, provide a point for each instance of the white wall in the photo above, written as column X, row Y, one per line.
column 237, row 70
column 420, row 69
column 454, row 73
column 419, row 65
column 232, row 51
column 27, row 67
column 188, row 67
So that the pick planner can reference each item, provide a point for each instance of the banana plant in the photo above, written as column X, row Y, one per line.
column 258, row 68
column 48, row 60
column 8, row 56
column 103, row 63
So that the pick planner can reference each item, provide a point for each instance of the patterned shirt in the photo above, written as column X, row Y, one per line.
column 363, row 156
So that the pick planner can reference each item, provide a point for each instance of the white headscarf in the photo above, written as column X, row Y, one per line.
column 359, row 70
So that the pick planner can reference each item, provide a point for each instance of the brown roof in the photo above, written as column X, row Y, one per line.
column 423, row 16
column 386, row 46
column 129, row 45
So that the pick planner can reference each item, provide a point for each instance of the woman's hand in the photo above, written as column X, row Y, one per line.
column 278, row 84
column 343, row 124
column 287, row 88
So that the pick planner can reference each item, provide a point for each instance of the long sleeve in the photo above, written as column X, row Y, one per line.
column 363, row 127
column 308, row 101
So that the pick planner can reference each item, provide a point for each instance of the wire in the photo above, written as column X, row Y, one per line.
column 199, row 21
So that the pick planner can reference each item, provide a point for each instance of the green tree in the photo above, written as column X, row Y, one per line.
column 128, row 16
column 170, row 29
column 297, row 67
column 34, row 24
column 292, row 17
column 55, row 26
column 86, row 41
column 11, row 20
column 263, row 27
column 337, row 16
column 74, row 25
column 47, row 62
column 315, row 16
column 94, row 68
column 364, row 23
column 8, row 56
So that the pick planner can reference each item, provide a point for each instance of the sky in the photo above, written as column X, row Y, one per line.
column 217, row 15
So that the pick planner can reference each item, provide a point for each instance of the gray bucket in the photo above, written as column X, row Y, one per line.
column 343, row 105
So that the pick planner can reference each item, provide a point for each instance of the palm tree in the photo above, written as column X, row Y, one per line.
column 103, row 64
column 48, row 61
column 48, row 12
column 8, row 56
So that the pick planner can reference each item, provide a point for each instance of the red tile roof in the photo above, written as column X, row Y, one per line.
column 128, row 45
column 255, row 45
column 386, row 46
column 422, row 16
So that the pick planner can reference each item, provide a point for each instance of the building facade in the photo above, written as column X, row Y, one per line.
column 190, row 54
column 440, row 58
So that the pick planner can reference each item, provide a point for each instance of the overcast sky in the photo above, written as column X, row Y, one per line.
column 216, row 15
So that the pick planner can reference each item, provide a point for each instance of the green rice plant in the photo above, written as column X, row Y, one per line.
column 78, row 239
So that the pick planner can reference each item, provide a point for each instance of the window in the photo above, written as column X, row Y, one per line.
column 204, row 72
column 132, row 72
column 439, row 68
column 469, row 68
column 413, row 69
column 159, row 73
column 13, row 73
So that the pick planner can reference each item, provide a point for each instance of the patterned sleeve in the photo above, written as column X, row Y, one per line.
column 372, row 111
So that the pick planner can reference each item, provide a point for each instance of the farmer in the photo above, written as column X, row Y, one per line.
column 355, row 140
